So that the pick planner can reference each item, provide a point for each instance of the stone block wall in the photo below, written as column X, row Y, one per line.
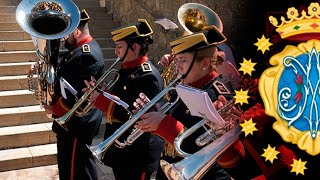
column 236, row 15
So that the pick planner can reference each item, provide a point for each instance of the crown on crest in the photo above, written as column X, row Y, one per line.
column 302, row 28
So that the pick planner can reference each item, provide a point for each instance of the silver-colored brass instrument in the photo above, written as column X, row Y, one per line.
column 197, row 164
column 63, row 120
column 100, row 149
column 137, row 132
column 48, row 22
column 194, row 166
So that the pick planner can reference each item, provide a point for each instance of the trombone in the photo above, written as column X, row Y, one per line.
column 98, row 150
column 63, row 120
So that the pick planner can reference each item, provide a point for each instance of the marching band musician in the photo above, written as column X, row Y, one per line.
column 83, row 59
column 137, row 74
column 195, row 59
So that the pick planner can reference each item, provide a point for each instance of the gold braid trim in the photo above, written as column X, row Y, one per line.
column 170, row 149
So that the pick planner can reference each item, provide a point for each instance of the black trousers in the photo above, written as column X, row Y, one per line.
column 75, row 161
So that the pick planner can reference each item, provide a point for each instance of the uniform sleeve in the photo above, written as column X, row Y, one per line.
column 105, row 105
column 169, row 129
column 60, row 108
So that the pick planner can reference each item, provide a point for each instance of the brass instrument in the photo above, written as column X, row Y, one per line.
column 194, row 17
column 194, row 166
column 136, row 132
column 47, row 22
column 100, row 149
column 63, row 120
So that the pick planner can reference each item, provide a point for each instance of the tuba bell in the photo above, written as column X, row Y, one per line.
column 194, row 17
column 47, row 22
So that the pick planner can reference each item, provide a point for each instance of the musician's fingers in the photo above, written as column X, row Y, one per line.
column 144, row 97
column 220, row 104
column 136, row 105
column 222, row 99
column 140, row 102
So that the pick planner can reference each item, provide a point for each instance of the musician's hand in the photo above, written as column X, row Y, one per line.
column 150, row 121
column 166, row 59
column 94, row 95
column 140, row 102
column 32, row 69
column 220, row 102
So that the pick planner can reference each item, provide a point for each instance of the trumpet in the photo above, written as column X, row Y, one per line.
column 222, row 137
column 63, row 120
column 137, row 132
column 98, row 150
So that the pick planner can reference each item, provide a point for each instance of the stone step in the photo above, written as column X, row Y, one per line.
column 7, row 17
column 8, row 3
column 19, row 81
column 6, row 46
column 18, row 116
column 26, row 135
column 9, row 26
column 27, row 45
column 13, row 69
column 17, row 98
column 14, row 35
column 8, row 9
column 23, row 58
column 8, row 83
column 37, row 173
column 28, row 157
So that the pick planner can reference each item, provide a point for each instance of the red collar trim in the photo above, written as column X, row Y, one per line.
column 134, row 63
column 199, row 83
column 84, row 41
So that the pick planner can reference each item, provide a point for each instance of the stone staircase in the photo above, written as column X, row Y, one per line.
column 27, row 144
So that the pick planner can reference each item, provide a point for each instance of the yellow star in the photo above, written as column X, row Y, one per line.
column 248, row 127
column 263, row 44
column 270, row 153
column 241, row 97
column 298, row 166
column 247, row 66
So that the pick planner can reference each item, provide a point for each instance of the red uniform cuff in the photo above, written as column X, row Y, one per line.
column 102, row 103
column 232, row 156
column 169, row 128
column 59, row 108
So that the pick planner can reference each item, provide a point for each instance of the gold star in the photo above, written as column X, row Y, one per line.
column 298, row 166
column 270, row 153
column 248, row 127
column 247, row 66
column 241, row 97
column 263, row 44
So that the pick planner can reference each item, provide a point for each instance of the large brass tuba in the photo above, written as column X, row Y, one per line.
column 193, row 18
column 47, row 22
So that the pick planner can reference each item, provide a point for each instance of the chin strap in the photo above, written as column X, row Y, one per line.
column 190, row 67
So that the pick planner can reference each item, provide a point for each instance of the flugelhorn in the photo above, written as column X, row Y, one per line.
column 99, row 150
column 194, row 166
column 137, row 132
column 62, row 121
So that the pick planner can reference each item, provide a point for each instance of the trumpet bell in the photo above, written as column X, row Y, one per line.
column 194, row 17
column 48, row 19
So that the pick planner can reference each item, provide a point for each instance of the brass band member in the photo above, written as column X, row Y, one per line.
column 83, row 59
column 137, row 74
column 195, row 59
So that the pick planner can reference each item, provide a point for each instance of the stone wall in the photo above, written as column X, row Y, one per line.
column 236, row 16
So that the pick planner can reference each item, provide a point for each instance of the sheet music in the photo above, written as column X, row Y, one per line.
column 166, row 23
column 114, row 98
column 64, row 84
column 199, row 103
